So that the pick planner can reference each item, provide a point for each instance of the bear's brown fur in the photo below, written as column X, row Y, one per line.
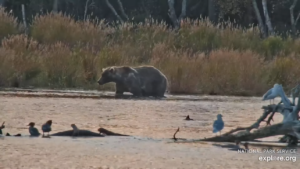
column 140, row 81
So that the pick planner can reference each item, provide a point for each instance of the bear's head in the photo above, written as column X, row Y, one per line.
column 108, row 75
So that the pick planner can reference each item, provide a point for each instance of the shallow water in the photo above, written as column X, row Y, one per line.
column 151, row 122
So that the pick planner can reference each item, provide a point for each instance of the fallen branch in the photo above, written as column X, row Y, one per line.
column 174, row 136
column 273, row 130
column 267, row 110
column 188, row 118
column 290, row 126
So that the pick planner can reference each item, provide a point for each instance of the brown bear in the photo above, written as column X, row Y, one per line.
column 140, row 81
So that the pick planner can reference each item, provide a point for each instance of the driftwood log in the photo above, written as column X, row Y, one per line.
column 288, row 127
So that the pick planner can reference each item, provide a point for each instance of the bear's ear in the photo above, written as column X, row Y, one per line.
column 103, row 69
column 112, row 70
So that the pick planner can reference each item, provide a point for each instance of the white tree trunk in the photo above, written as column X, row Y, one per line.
column 1, row 3
column 86, row 8
column 259, row 19
column 267, row 18
column 293, row 21
column 172, row 14
column 113, row 10
column 55, row 6
column 24, row 19
column 122, row 9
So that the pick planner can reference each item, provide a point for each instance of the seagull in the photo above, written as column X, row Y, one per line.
column 47, row 127
column 272, row 93
column 32, row 130
column 218, row 124
column 276, row 91
column 75, row 129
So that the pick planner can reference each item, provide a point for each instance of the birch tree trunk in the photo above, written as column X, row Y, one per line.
column 267, row 18
column 24, row 19
column 212, row 10
column 259, row 19
column 86, row 8
column 1, row 3
column 122, row 10
column 293, row 21
column 176, row 21
column 55, row 6
column 113, row 10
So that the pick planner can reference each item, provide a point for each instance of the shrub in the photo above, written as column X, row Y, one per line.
column 8, row 24
column 200, row 58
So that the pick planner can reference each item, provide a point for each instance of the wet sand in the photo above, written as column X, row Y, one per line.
column 151, row 122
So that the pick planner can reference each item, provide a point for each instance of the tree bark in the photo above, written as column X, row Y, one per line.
column 113, row 10
column 86, row 8
column 212, row 10
column 24, row 19
column 122, row 9
column 293, row 21
column 183, row 11
column 267, row 18
column 55, row 6
column 1, row 3
column 259, row 19
column 172, row 14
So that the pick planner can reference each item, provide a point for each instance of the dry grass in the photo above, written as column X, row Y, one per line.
column 201, row 58
column 8, row 24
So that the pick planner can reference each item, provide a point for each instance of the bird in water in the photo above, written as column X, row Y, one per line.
column 218, row 124
column 32, row 130
column 47, row 127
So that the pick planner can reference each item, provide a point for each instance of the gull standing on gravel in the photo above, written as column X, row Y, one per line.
column 32, row 130
column 218, row 124
column 47, row 127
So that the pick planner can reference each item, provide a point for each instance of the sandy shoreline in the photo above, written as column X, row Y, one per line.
column 144, row 119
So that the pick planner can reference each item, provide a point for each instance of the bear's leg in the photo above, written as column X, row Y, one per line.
column 119, row 89
column 136, row 91
column 158, row 90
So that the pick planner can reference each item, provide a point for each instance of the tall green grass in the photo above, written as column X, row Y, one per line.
column 201, row 58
